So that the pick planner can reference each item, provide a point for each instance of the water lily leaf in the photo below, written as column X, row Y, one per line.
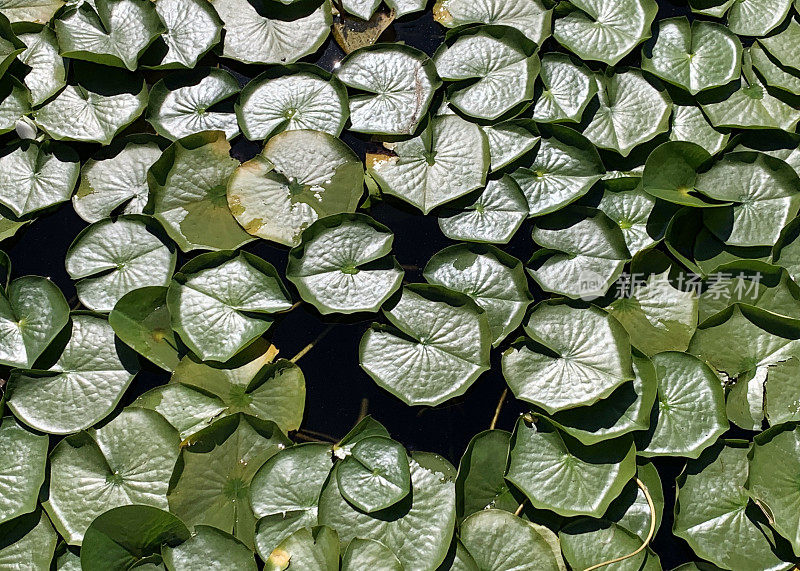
column 9, row 227
column 275, row 196
column 110, row 32
column 627, row 409
column 192, row 29
column 15, row 103
column 631, row 112
column 530, row 17
column 773, row 75
column 253, row 38
column 118, row 180
column 448, row 160
column 480, row 483
column 586, row 542
column 187, row 193
column 234, row 290
column 127, row 461
column 696, row 56
column 34, row 176
column 284, row 501
column 658, row 316
column 23, row 458
column 179, row 104
column 28, row 542
column 499, row 540
column 785, row 252
column 343, row 264
column 496, row 68
column 428, row 514
column 494, row 216
column 10, row 45
column 82, row 387
column 32, row 312
column 765, row 191
column 670, row 174
column 689, row 124
column 510, row 140
column 584, row 254
column 399, row 82
column 369, row 554
column 141, row 320
column 631, row 510
column 314, row 550
column 773, row 479
column 365, row 428
column 208, row 544
column 781, row 145
column 689, row 414
column 714, row 8
column 68, row 561
column 186, row 409
column 603, row 31
column 757, row 17
column 112, row 257
column 436, row 346
column 712, row 512
column 558, row 473
column 565, row 167
column 289, row 98
column 585, row 345
column 752, row 107
column 493, row 279
column 568, row 88
column 781, row 395
column 130, row 536
column 211, row 482
column 784, row 46
column 48, row 73
column 632, row 211
column 91, row 111
column 374, row 475
column 34, row 11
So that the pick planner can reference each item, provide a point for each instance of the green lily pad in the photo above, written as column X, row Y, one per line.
column 208, row 544
column 399, row 83
column 586, row 542
column 27, row 542
column 567, row 90
column 179, row 104
column 558, row 473
column 113, row 257
column 289, row 98
column 275, row 196
column 314, row 549
column 631, row 510
column 494, row 280
column 32, row 312
column 216, row 468
column 34, row 11
column 670, row 174
column 127, row 461
column 10, row 45
column 689, row 124
column 480, row 483
column 510, row 140
column 757, row 17
column 696, row 56
column 605, row 31
column 192, row 29
column 781, row 395
column 365, row 428
column 188, row 410
column 23, row 460
column 374, row 475
column 34, row 176
column 48, row 72
column 188, row 193
column 15, row 103
column 584, row 355
column 253, row 38
column 82, row 387
column 632, row 210
column 364, row 9
column 714, row 8
column 436, row 346
column 531, row 17
column 369, row 554
column 774, row 75
column 343, row 264
column 752, row 107
column 234, row 290
column 116, row 180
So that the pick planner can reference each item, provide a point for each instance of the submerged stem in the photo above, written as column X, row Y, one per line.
column 650, row 533
column 310, row 346
column 498, row 409
column 521, row 507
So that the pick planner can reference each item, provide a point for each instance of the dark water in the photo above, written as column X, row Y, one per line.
column 335, row 382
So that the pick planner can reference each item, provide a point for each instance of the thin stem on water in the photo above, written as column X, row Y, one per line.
column 363, row 409
column 521, row 507
column 498, row 409
column 310, row 346
column 650, row 533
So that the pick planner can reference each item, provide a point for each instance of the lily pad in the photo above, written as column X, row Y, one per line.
column 233, row 290
column 187, row 193
column 783, row 46
column 28, row 542
column 568, row 89
column 436, row 346
column 492, row 278
column 586, row 542
column 186, row 409
column 206, row 545
column 32, row 312
column 48, row 72
column 374, row 475
column 180, row 103
column 127, row 461
column 34, row 11
column 343, row 264
column 448, row 160
column 399, row 82
column 558, row 473
column 278, row 194
column 369, row 554
column 531, row 17
column 15, row 103
column 757, row 17
column 192, row 29
column 314, row 549
column 632, row 210
column 781, row 396
column 774, row 75
column 364, row 9
column 671, row 174
column 689, row 124
column 212, row 479
column 605, row 31
column 752, row 107
column 584, row 355
column 10, row 45
column 480, row 483
column 82, row 387
column 696, row 56
column 113, row 257
column 253, row 38
column 294, row 97
column 23, row 460
column 510, row 140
